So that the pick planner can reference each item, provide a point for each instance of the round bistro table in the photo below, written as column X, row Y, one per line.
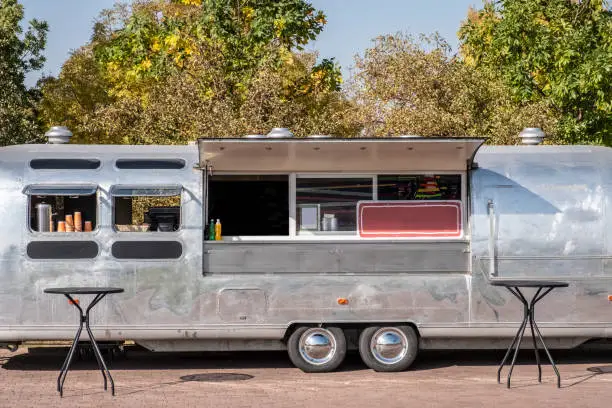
column 84, row 319
column 543, row 288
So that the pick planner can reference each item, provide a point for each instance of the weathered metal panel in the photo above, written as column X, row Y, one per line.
column 550, row 209
column 341, row 258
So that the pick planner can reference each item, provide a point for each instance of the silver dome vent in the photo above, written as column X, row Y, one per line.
column 280, row 132
column 58, row 135
column 532, row 136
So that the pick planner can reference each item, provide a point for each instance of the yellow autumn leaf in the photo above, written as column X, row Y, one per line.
column 178, row 60
column 248, row 12
column 192, row 2
column 112, row 66
column 146, row 64
column 287, row 57
column 156, row 46
column 172, row 40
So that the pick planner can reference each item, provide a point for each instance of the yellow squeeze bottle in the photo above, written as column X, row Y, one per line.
column 218, row 230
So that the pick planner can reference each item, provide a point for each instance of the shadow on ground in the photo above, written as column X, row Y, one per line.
column 48, row 358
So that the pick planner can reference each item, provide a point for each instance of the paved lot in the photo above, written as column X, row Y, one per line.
column 444, row 379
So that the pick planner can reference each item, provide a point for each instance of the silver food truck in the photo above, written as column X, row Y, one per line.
column 386, row 245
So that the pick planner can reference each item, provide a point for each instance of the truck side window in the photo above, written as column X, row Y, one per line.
column 146, row 208
column 62, row 208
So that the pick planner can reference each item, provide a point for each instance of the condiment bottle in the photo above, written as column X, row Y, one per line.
column 218, row 230
column 211, row 230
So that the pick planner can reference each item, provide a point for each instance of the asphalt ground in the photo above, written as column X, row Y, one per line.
column 267, row 379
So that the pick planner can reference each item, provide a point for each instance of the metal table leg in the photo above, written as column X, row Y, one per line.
column 528, row 317
column 84, row 319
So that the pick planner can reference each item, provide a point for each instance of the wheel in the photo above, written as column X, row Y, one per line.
column 317, row 349
column 388, row 349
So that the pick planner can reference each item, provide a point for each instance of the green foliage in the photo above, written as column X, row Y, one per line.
column 19, row 54
column 404, row 85
column 557, row 52
column 159, row 37
column 172, row 71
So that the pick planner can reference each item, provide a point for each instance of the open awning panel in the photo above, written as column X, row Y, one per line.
column 338, row 155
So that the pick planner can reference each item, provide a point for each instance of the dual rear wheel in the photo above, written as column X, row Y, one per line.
column 382, row 348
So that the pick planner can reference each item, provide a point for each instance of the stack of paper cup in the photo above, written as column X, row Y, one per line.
column 69, row 223
column 78, row 223
column 87, row 226
column 61, row 226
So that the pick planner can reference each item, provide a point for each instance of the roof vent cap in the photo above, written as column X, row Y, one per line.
column 532, row 136
column 280, row 132
column 58, row 135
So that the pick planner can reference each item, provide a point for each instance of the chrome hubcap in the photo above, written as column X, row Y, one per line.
column 389, row 345
column 317, row 346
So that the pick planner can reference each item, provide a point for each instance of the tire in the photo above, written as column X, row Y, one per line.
column 393, row 358
column 313, row 359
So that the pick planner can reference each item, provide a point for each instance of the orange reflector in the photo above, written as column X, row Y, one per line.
column 610, row 298
column 76, row 302
column 342, row 301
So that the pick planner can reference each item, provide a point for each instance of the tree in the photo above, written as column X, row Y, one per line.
column 407, row 86
column 18, row 56
column 556, row 52
column 172, row 71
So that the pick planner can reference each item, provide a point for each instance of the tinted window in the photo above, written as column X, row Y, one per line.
column 329, row 204
column 419, row 187
column 147, row 249
column 166, row 164
column 62, row 249
column 72, row 164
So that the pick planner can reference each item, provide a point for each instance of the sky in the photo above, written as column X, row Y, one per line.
column 351, row 25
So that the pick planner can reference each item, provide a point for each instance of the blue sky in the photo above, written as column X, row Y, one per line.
column 351, row 24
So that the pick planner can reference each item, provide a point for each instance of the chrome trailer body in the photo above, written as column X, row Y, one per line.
column 531, row 212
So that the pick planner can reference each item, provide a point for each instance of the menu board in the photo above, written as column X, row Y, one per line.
column 442, row 219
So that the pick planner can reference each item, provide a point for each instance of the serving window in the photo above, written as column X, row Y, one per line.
column 336, row 205
column 146, row 208
column 62, row 208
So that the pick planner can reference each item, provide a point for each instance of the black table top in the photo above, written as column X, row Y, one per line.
column 83, row 290
column 529, row 283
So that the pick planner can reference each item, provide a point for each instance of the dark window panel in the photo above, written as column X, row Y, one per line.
column 67, row 164
column 148, row 164
column 147, row 249
column 62, row 249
